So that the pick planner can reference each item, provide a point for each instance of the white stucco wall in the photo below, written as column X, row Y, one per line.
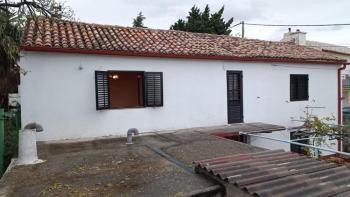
column 61, row 97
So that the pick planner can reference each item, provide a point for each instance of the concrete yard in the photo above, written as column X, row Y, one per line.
column 158, row 164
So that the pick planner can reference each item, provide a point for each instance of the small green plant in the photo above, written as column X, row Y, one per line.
column 321, row 131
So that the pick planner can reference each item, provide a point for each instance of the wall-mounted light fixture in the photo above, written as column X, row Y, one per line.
column 114, row 76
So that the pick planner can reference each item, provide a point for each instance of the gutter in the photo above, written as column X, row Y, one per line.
column 340, row 117
column 181, row 56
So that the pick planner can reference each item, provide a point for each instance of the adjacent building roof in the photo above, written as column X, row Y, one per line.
column 48, row 34
column 332, row 48
column 298, row 37
column 279, row 173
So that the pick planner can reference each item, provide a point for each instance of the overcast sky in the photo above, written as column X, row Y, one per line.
column 160, row 14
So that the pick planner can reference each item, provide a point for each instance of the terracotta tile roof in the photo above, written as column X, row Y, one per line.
column 278, row 173
column 48, row 33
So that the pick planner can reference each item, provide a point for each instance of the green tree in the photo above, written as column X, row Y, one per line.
column 204, row 22
column 9, row 40
column 13, row 15
column 138, row 21
column 9, row 55
column 179, row 25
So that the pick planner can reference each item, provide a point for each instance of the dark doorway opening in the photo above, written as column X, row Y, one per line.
column 234, row 96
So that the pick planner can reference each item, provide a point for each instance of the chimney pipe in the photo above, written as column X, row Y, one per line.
column 298, row 37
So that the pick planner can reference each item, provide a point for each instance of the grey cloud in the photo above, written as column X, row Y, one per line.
column 162, row 13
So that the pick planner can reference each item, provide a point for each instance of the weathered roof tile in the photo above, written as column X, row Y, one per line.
column 55, row 33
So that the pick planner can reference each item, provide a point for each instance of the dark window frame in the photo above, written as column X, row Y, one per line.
column 106, row 87
column 295, row 83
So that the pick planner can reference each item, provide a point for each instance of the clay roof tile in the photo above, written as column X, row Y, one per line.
column 47, row 32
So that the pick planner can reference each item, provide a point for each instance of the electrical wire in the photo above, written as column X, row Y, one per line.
column 295, row 25
column 237, row 24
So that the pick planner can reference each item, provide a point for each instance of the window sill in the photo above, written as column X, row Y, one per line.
column 299, row 100
column 136, row 107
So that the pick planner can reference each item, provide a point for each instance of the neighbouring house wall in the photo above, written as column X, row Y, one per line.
column 59, row 92
column 346, row 97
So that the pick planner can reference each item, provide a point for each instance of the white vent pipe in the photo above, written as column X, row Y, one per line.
column 27, row 149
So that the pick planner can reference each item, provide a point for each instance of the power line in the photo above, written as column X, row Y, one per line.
column 294, row 25
column 291, row 25
column 237, row 24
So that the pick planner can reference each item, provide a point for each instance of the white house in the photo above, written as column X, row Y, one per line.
column 87, row 80
column 299, row 37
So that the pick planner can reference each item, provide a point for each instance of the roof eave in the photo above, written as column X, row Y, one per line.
column 335, row 52
column 181, row 56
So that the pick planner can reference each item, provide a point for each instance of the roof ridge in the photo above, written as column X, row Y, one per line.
column 163, row 30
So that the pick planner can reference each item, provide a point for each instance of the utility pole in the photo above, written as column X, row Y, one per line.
column 242, row 29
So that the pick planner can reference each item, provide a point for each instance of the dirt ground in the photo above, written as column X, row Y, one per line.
column 155, row 165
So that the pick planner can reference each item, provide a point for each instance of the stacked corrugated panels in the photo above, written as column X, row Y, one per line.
column 278, row 173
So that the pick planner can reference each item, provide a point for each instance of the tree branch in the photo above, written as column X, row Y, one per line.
column 33, row 4
column 17, row 5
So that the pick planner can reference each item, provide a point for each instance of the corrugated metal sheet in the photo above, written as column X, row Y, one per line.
column 279, row 173
column 254, row 127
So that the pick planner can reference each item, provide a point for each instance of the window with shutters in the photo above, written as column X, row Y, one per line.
column 128, row 89
column 299, row 87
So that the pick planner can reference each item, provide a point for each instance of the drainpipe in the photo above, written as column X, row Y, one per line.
column 340, row 118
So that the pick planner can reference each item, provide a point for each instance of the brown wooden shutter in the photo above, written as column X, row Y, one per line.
column 153, row 89
column 102, row 90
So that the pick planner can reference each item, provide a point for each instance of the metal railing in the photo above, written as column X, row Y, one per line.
column 316, row 148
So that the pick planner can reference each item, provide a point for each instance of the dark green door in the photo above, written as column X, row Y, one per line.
column 234, row 96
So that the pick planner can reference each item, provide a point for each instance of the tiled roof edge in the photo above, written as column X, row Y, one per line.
column 181, row 56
